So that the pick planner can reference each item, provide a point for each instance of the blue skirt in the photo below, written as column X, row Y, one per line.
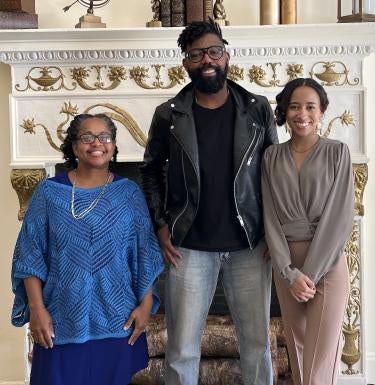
column 110, row 361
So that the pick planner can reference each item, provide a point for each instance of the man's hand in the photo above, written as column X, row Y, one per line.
column 303, row 288
column 170, row 253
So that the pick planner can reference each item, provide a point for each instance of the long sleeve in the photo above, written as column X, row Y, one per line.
column 29, row 259
column 335, row 223
column 275, row 238
column 153, row 169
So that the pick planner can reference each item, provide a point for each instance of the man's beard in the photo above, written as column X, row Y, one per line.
column 209, row 84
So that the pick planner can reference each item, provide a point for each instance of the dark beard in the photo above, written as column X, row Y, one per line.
column 209, row 85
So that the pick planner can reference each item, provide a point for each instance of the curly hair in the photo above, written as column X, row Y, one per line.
column 283, row 98
column 195, row 30
column 72, row 135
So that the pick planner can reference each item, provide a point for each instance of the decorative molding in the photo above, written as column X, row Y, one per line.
column 346, row 119
column 176, row 75
column 360, row 173
column 235, row 73
column 116, row 113
column 115, row 75
column 25, row 181
column 45, row 82
column 258, row 74
column 351, row 354
column 329, row 77
column 142, row 55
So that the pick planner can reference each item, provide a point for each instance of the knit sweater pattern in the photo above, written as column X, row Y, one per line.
column 94, row 271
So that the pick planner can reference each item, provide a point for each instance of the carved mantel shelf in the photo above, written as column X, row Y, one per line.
column 126, row 73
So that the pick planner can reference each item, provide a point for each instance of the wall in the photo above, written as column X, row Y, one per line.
column 118, row 15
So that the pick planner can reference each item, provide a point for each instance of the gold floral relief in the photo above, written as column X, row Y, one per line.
column 259, row 75
column 360, row 174
column 69, row 110
column 351, row 353
column 115, row 75
column 235, row 73
column 51, row 78
column 24, row 182
column 332, row 77
column 176, row 75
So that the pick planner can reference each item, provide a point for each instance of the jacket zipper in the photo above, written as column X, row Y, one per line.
column 234, row 186
column 187, row 192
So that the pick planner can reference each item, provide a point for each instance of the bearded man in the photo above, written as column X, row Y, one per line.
column 201, row 178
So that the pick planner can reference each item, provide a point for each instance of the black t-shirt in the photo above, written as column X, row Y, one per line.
column 216, row 227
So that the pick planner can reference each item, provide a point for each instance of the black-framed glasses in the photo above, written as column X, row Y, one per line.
column 215, row 52
column 90, row 138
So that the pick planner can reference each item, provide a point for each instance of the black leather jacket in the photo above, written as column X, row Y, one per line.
column 170, row 173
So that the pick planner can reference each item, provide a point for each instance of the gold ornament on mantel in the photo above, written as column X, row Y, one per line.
column 89, row 20
column 156, row 19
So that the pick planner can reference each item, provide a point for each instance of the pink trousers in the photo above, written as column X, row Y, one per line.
column 313, row 329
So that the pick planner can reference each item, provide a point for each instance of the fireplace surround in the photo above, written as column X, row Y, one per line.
column 126, row 73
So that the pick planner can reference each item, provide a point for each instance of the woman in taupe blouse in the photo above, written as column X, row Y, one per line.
column 308, row 203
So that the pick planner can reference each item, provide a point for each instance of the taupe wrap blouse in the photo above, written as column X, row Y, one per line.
column 314, row 204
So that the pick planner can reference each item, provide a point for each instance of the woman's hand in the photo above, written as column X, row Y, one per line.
column 302, row 289
column 140, row 316
column 170, row 253
column 41, row 328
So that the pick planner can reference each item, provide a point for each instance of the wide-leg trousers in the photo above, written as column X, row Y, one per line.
column 313, row 329
column 189, row 292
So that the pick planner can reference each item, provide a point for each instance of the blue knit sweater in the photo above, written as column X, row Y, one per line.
column 94, row 270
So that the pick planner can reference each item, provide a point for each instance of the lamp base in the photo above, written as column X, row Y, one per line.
column 90, row 21
column 358, row 18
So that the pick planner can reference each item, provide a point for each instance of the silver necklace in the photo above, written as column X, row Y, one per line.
column 85, row 211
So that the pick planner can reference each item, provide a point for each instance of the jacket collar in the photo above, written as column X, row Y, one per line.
column 244, row 132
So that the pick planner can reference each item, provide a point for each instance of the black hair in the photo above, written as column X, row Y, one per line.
column 195, row 30
column 72, row 134
column 283, row 98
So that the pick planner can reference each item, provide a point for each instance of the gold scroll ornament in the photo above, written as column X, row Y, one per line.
column 24, row 182
column 258, row 74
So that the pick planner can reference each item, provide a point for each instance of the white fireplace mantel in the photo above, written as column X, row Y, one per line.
column 128, row 72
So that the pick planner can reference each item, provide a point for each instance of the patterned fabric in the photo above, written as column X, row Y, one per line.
column 95, row 270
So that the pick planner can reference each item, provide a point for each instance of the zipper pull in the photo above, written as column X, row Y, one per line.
column 241, row 220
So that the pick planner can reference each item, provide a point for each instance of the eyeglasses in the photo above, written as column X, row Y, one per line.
column 90, row 138
column 215, row 52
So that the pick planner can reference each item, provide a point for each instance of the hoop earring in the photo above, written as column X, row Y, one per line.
column 288, row 130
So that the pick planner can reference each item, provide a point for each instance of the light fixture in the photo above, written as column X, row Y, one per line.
column 355, row 11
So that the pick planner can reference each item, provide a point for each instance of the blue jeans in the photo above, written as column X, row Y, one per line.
column 189, row 292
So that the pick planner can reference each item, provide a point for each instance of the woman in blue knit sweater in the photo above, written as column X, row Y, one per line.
column 84, row 266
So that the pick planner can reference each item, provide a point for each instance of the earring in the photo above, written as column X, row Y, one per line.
column 318, row 129
column 288, row 130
